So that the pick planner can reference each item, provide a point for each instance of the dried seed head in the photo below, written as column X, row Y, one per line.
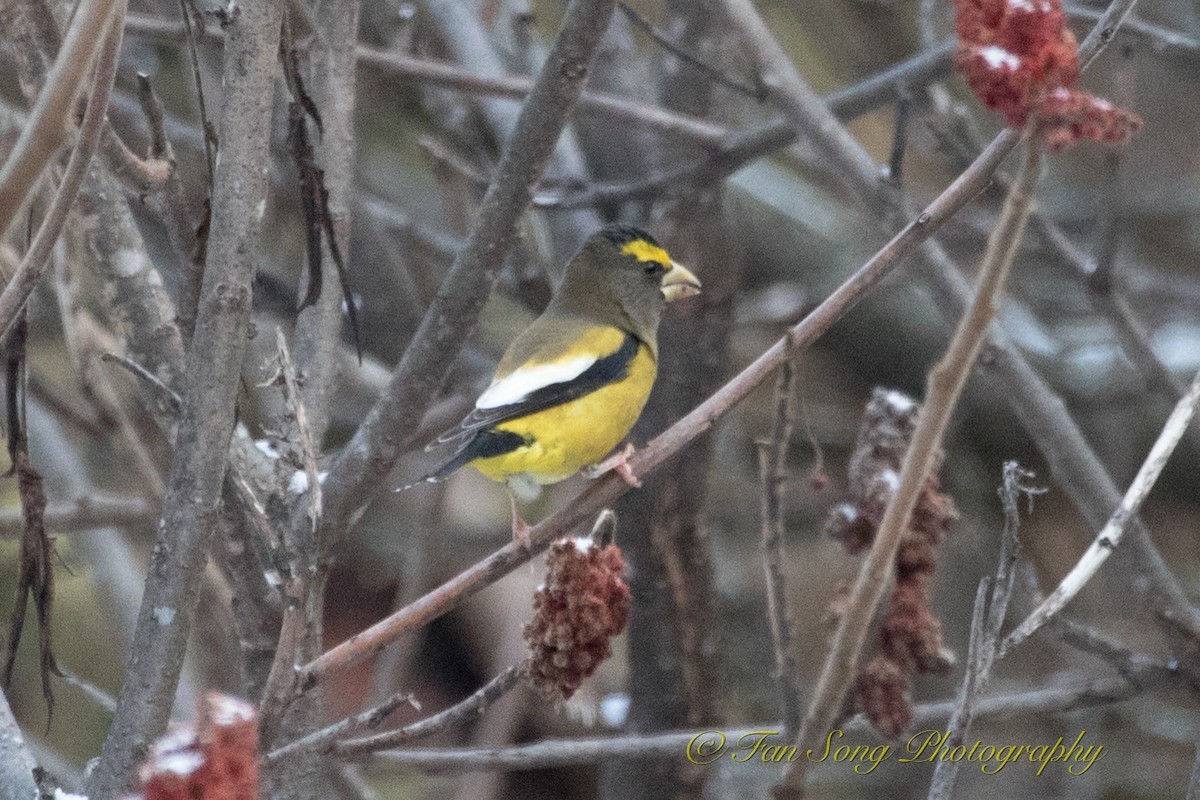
column 582, row 605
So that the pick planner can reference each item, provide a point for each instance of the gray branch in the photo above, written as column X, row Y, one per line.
column 191, row 507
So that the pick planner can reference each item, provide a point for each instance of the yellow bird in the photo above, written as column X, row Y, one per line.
column 571, row 386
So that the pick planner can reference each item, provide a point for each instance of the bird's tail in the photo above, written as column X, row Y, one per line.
column 441, row 473
column 483, row 444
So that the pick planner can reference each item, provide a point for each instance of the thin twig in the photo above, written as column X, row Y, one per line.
column 85, row 338
column 352, row 782
column 801, row 106
column 1163, row 40
column 168, row 395
column 772, row 467
column 21, row 285
column 1110, row 535
column 895, row 171
column 959, row 724
column 51, row 119
column 944, row 386
column 986, row 622
column 324, row 739
column 330, row 739
column 1100, row 271
column 205, row 125
column 451, row 76
column 317, row 336
column 101, row 698
column 1103, row 31
column 171, row 202
column 278, row 692
column 711, row 72
column 458, row 714
column 192, row 503
column 152, row 108
column 1075, row 634
column 926, row 22
column 1012, row 487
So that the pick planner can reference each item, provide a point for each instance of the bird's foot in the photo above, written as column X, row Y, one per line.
column 521, row 530
column 618, row 463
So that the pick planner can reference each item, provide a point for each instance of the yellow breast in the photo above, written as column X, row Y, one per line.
column 564, row 439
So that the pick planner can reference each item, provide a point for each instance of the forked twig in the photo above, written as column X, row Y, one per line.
column 329, row 739
column 1110, row 535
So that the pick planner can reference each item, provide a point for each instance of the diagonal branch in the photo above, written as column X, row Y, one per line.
column 740, row 148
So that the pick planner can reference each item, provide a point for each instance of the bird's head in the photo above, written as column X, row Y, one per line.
column 623, row 268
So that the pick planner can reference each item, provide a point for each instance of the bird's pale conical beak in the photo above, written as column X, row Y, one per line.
column 679, row 282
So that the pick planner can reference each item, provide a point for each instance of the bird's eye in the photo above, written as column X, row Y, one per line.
column 653, row 269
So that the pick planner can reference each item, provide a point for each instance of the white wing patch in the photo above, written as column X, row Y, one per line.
column 524, row 381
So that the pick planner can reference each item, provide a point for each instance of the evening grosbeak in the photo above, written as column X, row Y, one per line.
column 571, row 386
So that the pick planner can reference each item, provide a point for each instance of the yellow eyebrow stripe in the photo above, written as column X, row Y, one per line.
column 644, row 251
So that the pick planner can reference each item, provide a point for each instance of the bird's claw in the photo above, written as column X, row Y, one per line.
column 618, row 463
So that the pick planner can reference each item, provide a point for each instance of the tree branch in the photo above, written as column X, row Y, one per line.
column 330, row 739
column 191, row 506
column 772, row 467
column 740, row 148
column 562, row 753
column 333, row 77
column 89, row 512
column 1110, row 535
column 21, row 285
column 50, row 121
column 944, row 386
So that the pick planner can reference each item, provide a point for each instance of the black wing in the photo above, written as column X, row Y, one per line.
column 474, row 437
column 607, row 370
